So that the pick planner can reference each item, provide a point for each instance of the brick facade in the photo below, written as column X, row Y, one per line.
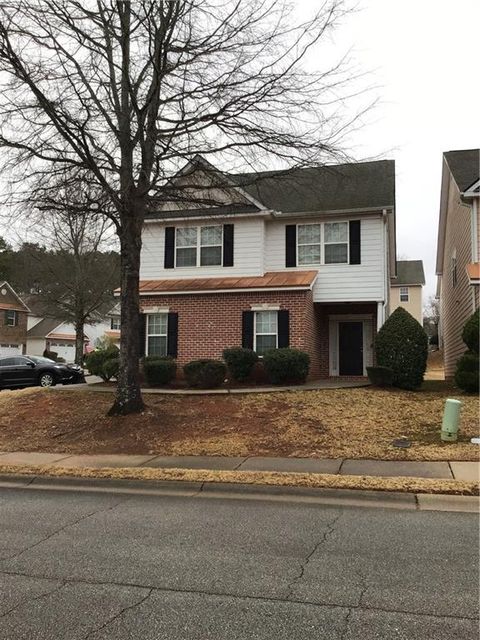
column 208, row 323
column 14, row 335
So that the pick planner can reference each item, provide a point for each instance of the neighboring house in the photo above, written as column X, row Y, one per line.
column 13, row 321
column 406, row 288
column 300, row 259
column 458, row 250
column 113, row 330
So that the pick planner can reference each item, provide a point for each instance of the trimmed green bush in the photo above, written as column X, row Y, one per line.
column 470, row 332
column 158, row 370
column 286, row 365
column 240, row 362
column 380, row 376
column 110, row 368
column 96, row 359
column 205, row 374
column 466, row 375
column 402, row 345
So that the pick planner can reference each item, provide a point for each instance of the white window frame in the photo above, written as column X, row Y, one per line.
column 156, row 335
column 263, row 334
column 14, row 318
column 404, row 291
column 198, row 247
column 322, row 243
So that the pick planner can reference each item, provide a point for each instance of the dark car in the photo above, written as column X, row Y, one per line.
column 26, row 371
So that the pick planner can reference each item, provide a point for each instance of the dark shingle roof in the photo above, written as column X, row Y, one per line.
column 43, row 328
column 409, row 272
column 361, row 185
column 465, row 166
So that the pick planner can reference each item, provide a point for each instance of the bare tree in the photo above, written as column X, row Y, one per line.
column 128, row 92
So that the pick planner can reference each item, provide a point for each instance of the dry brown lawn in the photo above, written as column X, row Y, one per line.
column 330, row 423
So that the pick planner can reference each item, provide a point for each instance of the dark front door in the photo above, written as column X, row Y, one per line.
column 350, row 348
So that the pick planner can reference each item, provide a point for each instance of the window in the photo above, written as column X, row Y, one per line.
column 115, row 324
column 157, row 334
column 403, row 294
column 453, row 269
column 199, row 246
column 309, row 243
column 11, row 318
column 336, row 242
column 266, row 331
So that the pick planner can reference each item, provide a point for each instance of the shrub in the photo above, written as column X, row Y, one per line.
column 286, row 365
column 96, row 359
column 110, row 368
column 51, row 355
column 159, row 370
column 240, row 362
column 466, row 375
column 205, row 374
column 402, row 345
column 380, row 376
column 471, row 331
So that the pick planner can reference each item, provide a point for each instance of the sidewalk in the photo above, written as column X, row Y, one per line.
column 452, row 470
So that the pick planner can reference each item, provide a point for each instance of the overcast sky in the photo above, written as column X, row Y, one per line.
column 425, row 56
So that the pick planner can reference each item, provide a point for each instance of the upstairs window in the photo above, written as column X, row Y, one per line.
column 336, row 242
column 11, row 318
column 309, row 243
column 266, row 331
column 403, row 294
column 198, row 246
column 115, row 324
column 157, row 329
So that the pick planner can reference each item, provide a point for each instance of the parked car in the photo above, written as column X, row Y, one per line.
column 27, row 371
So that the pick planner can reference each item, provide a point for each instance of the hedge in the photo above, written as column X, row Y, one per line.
column 286, row 365
column 159, row 370
column 205, row 374
column 240, row 362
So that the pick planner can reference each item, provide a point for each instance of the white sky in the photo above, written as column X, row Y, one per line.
column 425, row 55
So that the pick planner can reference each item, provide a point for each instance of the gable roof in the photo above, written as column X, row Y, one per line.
column 409, row 272
column 19, row 305
column 342, row 187
column 464, row 166
column 43, row 328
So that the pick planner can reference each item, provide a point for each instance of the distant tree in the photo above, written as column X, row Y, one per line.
column 5, row 260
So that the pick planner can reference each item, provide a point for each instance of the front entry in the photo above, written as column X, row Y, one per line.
column 350, row 348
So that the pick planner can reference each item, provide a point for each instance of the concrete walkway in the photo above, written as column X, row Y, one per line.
column 468, row 471
column 95, row 384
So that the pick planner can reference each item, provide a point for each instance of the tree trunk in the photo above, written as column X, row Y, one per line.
column 79, row 341
column 128, row 397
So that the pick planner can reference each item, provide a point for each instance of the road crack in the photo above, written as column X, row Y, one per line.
column 32, row 599
column 120, row 613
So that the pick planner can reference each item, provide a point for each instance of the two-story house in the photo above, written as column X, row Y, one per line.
column 458, row 248
column 300, row 259
column 406, row 288
column 13, row 322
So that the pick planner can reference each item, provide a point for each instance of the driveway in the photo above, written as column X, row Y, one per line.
column 77, row 565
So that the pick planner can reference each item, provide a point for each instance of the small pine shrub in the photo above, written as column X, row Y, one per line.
column 240, row 362
column 159, row 370
column 380, row 376
column 470, row 334
column 402, row 345
column 110, row 368
column 96, row 359
column 205, row 374
column 466, row 374
column 286, row 365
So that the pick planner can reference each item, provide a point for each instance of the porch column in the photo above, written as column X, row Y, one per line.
column 380, row 315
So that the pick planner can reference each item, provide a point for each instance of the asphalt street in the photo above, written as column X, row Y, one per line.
column 77, row 565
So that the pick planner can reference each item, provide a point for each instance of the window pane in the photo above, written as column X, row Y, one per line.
column 157, row 346
column 309, row 254
column 210, row 255
column 336, row 232
column 308, row 233
column 266, row 322
column 264, row 343
column 211, row 235
column 336, row 253
column 186, row 258
column 186, row 236
column 157, row 323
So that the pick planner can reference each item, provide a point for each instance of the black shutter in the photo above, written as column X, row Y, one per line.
column 283, row 329
column 247, row 329
column 228, row 245
column 169, row 248
column 355, row 252
column 291, row 245
column 172, row 337
column 142, row 325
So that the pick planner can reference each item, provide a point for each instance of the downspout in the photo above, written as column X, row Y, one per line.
column 474, row 227
column 382, row 308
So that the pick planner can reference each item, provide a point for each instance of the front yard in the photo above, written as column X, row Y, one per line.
column 331, row 423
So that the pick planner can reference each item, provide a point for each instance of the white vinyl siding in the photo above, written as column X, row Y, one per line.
column 248, row 251
column 338, row 282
